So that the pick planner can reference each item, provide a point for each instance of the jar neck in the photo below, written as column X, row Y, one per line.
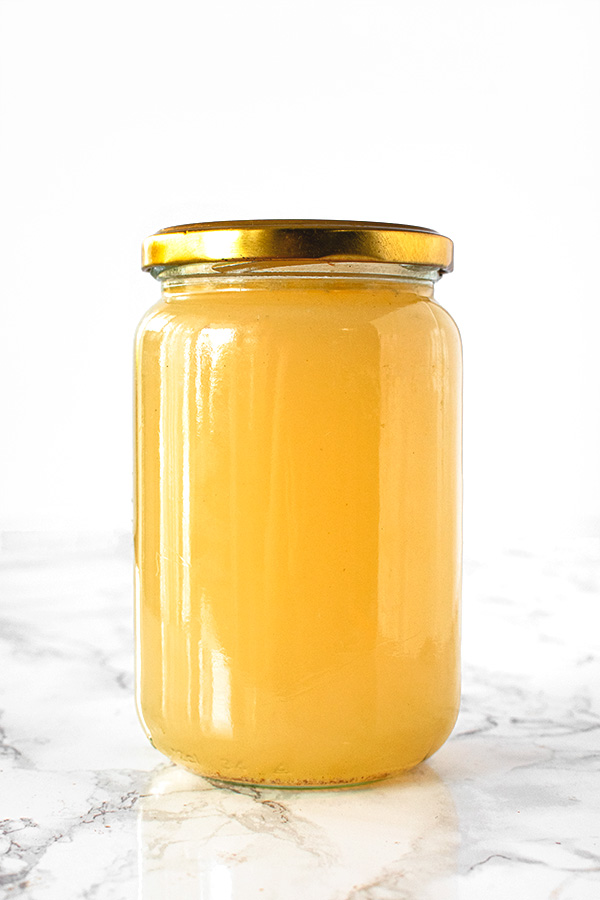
column 178, row 281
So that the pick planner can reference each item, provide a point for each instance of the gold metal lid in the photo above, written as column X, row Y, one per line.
column 297, row 239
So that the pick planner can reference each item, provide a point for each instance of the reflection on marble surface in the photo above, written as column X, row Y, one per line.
column 89, row 810
column 245, row 842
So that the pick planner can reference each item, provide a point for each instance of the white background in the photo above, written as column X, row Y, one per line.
column 478, row 119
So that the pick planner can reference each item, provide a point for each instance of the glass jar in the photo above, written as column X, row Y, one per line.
column 298, row 489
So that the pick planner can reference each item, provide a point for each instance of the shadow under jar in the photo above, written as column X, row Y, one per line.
column 298, row 488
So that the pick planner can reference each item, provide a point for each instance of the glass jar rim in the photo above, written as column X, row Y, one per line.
column 297, row 239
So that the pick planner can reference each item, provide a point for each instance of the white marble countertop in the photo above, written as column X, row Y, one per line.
column 510, row 805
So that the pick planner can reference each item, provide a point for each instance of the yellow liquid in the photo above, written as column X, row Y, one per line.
column 298, row 527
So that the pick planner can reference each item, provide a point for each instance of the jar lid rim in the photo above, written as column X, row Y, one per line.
column 311, row 239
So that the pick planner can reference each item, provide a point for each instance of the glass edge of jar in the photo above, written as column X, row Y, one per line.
column 303, row 268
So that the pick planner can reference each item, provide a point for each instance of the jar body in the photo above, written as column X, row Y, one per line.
column 298, row 526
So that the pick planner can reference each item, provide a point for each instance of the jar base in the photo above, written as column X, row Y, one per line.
column 334, row 771
column 301, row 785
column 293, row 784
